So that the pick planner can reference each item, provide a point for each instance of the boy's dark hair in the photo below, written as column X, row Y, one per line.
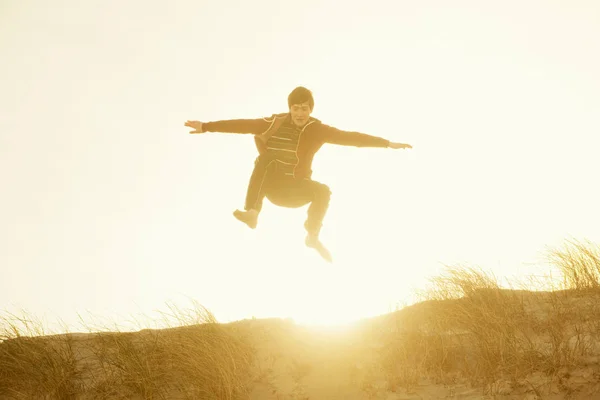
column 299, row 96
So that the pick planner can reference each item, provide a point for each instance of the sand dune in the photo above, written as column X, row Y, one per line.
column 538, row 345
column 469, row 339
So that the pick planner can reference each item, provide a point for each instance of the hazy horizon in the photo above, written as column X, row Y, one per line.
column 110, row 207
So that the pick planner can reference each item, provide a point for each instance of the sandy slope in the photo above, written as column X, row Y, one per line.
column 343, row 365
column 347, row 364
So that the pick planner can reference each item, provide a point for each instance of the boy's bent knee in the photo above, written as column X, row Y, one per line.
column 322, row 192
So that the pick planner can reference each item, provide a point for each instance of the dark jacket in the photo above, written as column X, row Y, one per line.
column 314, row 134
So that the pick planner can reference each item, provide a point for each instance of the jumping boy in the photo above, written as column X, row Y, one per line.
column 287, row 144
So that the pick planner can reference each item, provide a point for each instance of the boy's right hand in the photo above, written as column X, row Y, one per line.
column 196, row 125
column 394, row 145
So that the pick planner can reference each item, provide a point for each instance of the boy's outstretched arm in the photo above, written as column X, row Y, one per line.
column 252, row 126
column 358, row 139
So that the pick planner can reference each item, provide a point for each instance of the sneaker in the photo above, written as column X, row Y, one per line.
column 247, row 217
column 314, row 243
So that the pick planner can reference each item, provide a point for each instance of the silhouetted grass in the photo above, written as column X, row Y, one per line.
column 197, row 359
column 469, row 328
column 33, row 365
column 579, row 264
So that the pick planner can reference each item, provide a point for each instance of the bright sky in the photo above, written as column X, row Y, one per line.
column 109, row 207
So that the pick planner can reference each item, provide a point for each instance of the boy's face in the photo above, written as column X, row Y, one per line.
column 300, row 113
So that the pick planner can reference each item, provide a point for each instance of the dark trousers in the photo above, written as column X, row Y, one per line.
column 287, row 191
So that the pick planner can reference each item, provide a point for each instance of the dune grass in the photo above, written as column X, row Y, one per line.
column 34, row 367
column 469, row 328
column 198, row 358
